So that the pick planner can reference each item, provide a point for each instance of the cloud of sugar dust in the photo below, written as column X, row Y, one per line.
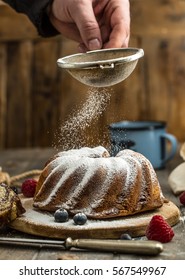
column 72, row 133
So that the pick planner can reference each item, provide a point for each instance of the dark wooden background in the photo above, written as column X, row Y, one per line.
column 36, row 96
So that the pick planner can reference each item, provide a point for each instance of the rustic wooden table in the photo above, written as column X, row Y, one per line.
column 17, row 161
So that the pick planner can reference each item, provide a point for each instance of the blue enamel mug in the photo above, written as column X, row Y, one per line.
column 146, row 137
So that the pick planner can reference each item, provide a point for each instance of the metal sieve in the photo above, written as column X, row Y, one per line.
column 102, row 68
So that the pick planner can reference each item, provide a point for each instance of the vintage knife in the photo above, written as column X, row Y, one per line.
column 141, row 247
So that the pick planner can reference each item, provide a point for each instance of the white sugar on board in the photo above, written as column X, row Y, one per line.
column 72, row 134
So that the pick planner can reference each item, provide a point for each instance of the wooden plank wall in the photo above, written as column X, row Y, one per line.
column 159, row 27
column 36, row 97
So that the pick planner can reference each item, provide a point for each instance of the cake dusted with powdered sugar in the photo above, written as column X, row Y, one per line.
column 91, row 181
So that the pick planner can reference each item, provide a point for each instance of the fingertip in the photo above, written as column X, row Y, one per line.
column 94, row 44
column 82, row 48
column 113, row 43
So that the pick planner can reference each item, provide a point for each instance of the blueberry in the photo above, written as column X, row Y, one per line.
column 125, row 236
column 61, row 215
column 80, row 219
column 14, row 188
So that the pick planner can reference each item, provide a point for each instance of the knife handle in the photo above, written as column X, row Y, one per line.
column 118, row 246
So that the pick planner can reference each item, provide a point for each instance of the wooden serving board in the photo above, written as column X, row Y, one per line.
column 42, row 223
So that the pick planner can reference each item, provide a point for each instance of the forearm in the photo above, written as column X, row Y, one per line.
column 36, row 11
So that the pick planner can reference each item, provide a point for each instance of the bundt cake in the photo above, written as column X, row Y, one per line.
column 10, row 205
column 89, row 180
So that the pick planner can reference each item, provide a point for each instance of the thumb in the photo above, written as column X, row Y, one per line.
column 88, row 26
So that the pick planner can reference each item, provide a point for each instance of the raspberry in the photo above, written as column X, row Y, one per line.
column 182, row 198
column 159, row 230
column 28, row 187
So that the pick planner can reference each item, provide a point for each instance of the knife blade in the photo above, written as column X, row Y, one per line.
column 142, row 247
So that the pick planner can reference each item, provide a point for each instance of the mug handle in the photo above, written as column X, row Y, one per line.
column 171, row 138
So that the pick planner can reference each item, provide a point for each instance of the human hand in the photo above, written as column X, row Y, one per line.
column 94, row 24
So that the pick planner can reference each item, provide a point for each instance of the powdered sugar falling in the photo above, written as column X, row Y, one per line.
column 72, row 132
